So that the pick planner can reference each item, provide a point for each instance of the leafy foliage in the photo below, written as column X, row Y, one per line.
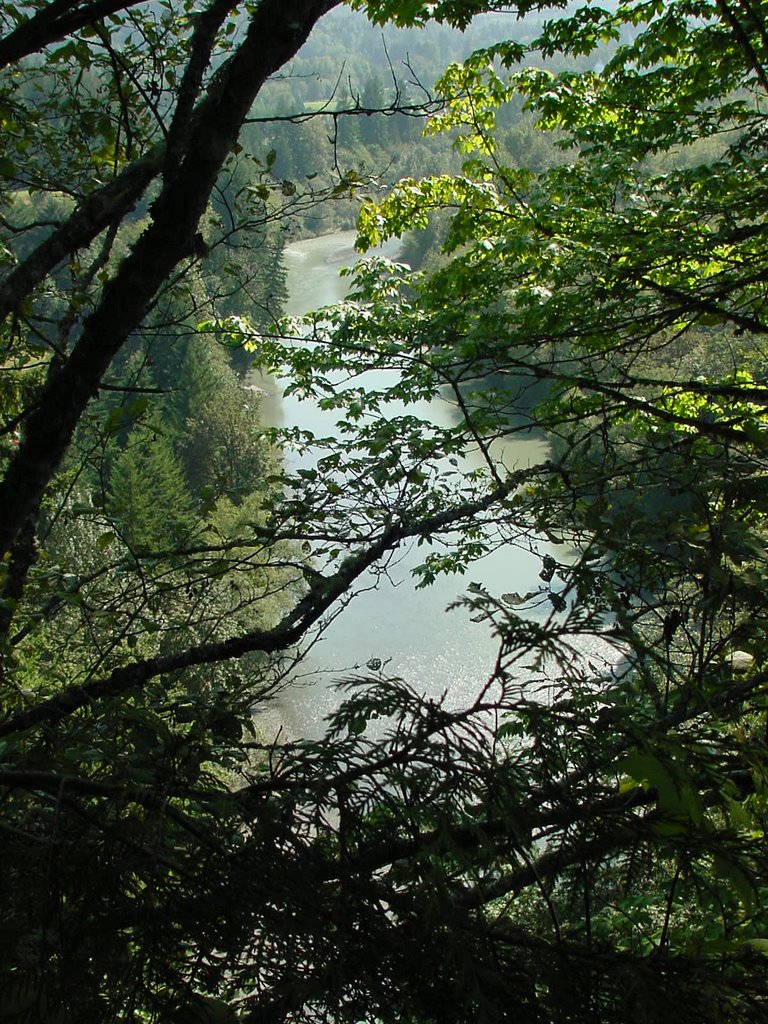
column 586, row 841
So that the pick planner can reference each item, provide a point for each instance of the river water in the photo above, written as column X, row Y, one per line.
column 411, row 631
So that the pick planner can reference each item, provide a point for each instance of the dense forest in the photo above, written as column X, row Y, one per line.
column 581, row 195
column 349, row 110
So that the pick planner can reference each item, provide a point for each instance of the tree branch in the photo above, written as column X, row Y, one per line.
column 322, row 593
column 97, row 211
column 53, row 22
column 276, row 31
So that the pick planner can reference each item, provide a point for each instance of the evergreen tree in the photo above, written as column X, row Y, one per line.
column 373, row 128
column 220, row 437
column 147, row 496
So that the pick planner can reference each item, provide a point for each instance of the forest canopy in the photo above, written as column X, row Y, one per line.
column 585, row 841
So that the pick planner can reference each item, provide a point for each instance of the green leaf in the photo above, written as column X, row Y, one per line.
column 738, row 877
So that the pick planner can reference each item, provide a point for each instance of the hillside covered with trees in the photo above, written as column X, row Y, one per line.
column 583, row 199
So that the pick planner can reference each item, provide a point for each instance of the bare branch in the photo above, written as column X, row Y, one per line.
column 322, row 593
column 53, row 22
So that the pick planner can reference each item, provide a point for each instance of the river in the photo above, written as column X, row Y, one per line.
column 411, row 631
